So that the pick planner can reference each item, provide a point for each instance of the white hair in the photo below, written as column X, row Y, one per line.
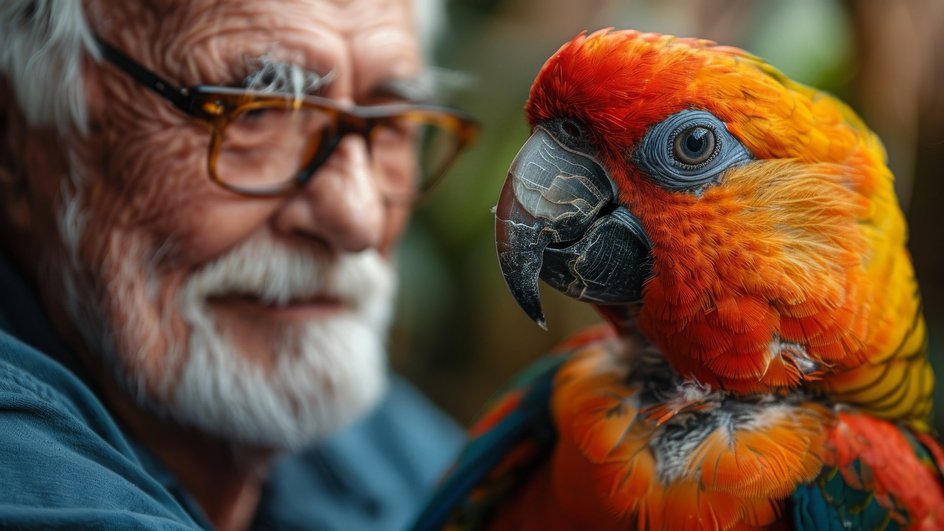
column 269, row 75
column 430, row 17
column 43, row 44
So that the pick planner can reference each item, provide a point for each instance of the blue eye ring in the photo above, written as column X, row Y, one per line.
column 669, row 160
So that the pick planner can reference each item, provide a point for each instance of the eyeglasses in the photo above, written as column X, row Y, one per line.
column 268, row 144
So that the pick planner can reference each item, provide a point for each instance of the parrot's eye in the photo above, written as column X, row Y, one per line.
column 695, row 145
column 689, row 150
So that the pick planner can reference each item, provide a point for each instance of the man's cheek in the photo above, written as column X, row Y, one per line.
column 220, row 222
column 154, row 175
column 155, row 185
column 397, row 218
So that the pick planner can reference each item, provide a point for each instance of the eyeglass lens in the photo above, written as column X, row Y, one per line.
column 265, row 147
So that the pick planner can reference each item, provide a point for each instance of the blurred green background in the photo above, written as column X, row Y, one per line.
column 460, row 335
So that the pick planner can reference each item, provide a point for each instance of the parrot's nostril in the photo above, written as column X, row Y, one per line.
column 573, row 134
column 571, row 129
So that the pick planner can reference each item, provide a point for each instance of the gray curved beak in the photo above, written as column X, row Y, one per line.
column 557, row 220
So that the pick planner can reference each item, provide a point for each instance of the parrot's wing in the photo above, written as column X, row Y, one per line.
column 887, row 478
column 512, row 436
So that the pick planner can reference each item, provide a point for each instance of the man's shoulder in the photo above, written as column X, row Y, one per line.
column 374, row 475
column 72, row 464
column 409, row 435
column 33, row 385
column 37, row 389
column 407, row 418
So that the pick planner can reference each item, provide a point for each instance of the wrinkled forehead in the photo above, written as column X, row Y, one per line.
column 362, row 42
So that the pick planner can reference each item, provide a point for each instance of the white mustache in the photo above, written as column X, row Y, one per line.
column 277, row 274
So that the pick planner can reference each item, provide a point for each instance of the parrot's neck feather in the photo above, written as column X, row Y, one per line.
column 687, row 412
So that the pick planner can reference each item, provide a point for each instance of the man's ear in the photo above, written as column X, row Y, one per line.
column 15, row 206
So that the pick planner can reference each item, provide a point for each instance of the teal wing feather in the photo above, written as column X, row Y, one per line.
column 527, row 421
column 832, row 503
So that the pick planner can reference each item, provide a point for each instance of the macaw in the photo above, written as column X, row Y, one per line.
column 763, row 362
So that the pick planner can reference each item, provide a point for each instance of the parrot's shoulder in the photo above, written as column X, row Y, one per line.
column 602, row 433
column 878, row 474
column 636, row 440
column 511, row 437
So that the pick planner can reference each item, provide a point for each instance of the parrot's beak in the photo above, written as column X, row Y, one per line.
column 557, row 219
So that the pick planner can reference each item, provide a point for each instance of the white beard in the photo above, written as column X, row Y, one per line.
column 325, row 373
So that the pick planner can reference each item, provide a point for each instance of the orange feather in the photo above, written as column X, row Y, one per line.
column 806, row 244
column 782, row 298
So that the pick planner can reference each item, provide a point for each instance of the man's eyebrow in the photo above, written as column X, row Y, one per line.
column 266, row 74
column 432, row 85
column 417, row 89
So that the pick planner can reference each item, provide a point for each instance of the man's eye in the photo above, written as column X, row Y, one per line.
column 269, row 118
column 254, row 114
column 400, row 129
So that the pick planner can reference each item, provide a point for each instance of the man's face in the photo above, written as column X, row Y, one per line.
column 257, row 319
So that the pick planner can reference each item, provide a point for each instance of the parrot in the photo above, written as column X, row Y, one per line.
column 762, row 360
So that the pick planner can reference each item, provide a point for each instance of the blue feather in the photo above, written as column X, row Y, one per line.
column 829, row 503
column 529, row 421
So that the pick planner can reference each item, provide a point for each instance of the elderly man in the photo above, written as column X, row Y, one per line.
column 199, row 202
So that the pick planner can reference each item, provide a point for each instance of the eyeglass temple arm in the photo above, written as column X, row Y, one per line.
column 178, row 96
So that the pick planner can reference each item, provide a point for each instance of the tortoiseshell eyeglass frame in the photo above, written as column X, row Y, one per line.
column 217, row 106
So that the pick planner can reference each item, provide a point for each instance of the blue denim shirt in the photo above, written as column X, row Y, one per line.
column 65, row 462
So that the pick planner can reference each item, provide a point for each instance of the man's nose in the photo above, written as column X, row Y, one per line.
column 342, row 204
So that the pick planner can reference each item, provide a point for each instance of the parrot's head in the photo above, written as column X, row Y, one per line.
column 733, row 211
